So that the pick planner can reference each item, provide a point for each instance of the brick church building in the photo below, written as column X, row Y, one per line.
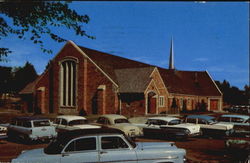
column 100, row 83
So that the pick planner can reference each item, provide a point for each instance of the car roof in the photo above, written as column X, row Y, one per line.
column 235, row 116
column 68, row 135
column 165, row 118
column 206, row 117
column 27, row 118
column 71, row 117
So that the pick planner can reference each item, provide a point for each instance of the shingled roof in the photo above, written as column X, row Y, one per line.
column 133, row 80
column 189, row 82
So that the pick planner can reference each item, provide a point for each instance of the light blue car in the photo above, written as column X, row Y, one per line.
column 102, row 145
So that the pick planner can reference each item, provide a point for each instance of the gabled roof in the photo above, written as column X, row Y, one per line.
column 133, row 80
column 109, row 63
column 189, row 82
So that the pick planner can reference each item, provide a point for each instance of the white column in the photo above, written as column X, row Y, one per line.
column 61, row 84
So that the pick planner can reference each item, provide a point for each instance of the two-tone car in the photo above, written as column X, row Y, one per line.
column 169, row 127
column 102, row 145
column 72, row 122
column 209, row 126
column 241, row 123
column 119, row 122
column 31, row 129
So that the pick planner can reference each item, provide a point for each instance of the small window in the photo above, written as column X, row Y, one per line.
column 83, row 144
column 161, row 101
column 122, row 120
column 41, row 123
column 78, row 122
column 113, row 143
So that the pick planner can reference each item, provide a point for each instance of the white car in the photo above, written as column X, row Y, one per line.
column 170, row 127
column 209, row 126
column 31, row 129
column 119, row 122
column 241, row 123
column 102, row 145
column 72, row 122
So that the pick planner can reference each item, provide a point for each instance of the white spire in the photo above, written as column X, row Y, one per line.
column 171, row 57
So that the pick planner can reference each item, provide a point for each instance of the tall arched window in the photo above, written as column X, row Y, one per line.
column 68, row 83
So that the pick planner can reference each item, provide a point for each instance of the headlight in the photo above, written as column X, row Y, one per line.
column 187, row 131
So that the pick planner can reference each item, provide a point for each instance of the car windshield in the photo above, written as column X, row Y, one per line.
column 41, row 123
column 78, row 122
column 55, row 147
column 122, row 120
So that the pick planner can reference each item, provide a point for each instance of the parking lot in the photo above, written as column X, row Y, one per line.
column 198, row 149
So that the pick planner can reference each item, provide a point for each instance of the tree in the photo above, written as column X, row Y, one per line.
column 23, row 76
column 5, row 79
column 36, row 19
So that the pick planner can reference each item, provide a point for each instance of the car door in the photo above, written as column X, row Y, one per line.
column 81, row 150
column 115, row 149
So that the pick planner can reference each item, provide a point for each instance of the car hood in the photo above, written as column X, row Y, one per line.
column 36, row 153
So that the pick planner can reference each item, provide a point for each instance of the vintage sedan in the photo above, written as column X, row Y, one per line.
column 241, row 123
column 72, row 122
column 102, row 145
column 209, row 125
column 119, row 122
column 31, row 129
column 169, row 127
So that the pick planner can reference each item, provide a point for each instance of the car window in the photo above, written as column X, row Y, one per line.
column 202, row 121
column 82, row 144
column 41, row 123
column 191, row 120
column 27, row 124
column 63, row 122
column 13, row 122
column 78, row 122
column 224, row 119
column 19, row 123
column 122, row 120
column 57, row 121
column 113, row 143
column 175, row 122
column 152, row 122
column 237, row 120
column 101, row 120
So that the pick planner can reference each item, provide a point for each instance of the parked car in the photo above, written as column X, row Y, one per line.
column 209, row 126
column 3, row 130
column 102, row 145
column 241, row 123
column 31, row 128
column 169, row 127
column 119, row 122
column 72, row 122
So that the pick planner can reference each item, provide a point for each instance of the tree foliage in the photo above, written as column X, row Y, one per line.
column 12, row 80
column 233, row 95
column 35, row 19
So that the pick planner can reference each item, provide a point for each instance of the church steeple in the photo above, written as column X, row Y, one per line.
column 171, row 56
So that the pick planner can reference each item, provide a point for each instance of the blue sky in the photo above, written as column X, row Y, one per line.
column 212, row 36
